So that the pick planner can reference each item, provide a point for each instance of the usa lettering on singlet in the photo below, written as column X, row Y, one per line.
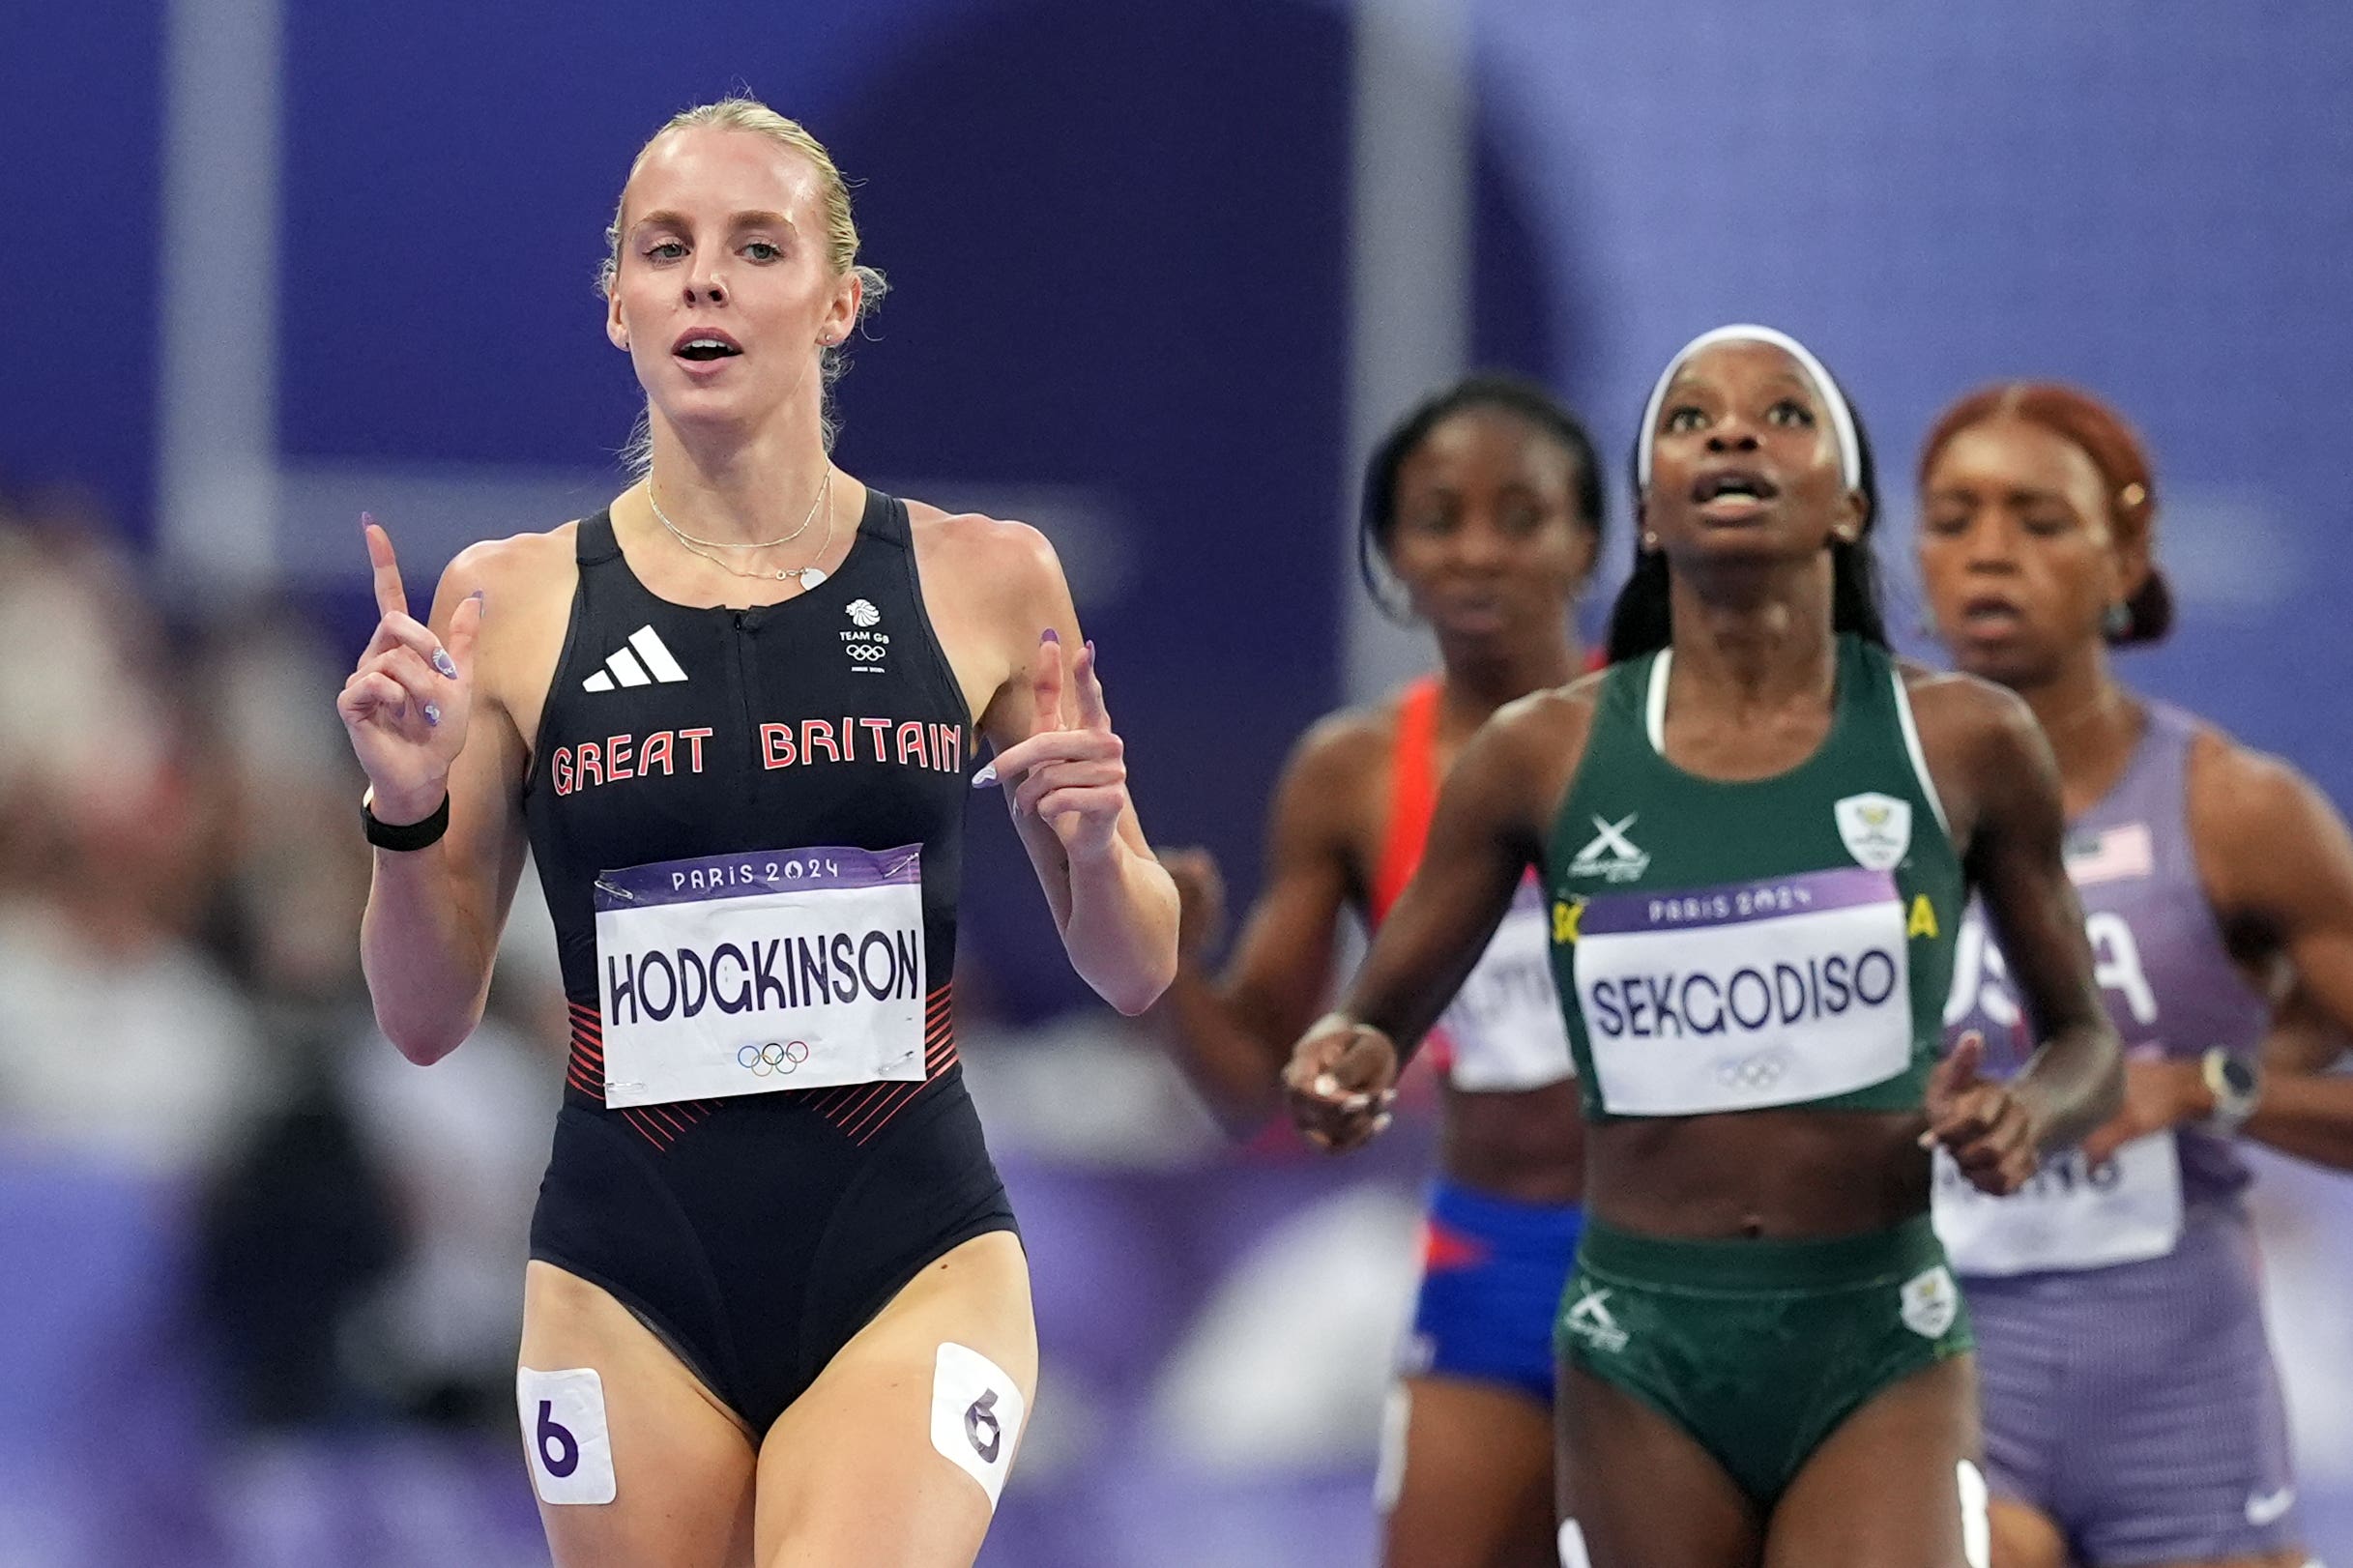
column 2069, row 1215
column 2173, row 989
column 753, row 974
column 1736, row 997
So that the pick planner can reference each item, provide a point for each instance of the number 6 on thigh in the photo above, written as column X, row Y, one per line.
column 563, row 1426
column 976, row 1413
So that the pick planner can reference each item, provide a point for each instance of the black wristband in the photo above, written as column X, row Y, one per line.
column 415, row 835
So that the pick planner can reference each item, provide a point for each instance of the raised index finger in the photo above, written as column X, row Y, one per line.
column 390, row 598
column 1092, row 714
column 1046, row 685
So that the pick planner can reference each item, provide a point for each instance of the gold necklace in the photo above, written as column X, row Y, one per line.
column 810, row 575
column 824, row 489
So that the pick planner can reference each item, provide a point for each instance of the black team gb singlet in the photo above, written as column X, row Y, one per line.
column 755, row 1226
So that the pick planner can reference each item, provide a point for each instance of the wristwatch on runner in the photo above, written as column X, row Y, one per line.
column 2236, row 1085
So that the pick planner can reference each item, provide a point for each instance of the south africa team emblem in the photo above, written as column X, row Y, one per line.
column 1878, row 829
column 1930, row 1301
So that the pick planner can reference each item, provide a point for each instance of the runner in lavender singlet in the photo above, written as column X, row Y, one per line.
column 2132, row 1414
column 2077, row 1424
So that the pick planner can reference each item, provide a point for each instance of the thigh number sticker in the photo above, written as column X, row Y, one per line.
column 563, row 1426
column 975, row 1415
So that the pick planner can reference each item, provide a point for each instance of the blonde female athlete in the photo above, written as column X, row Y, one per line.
column 777, row 1311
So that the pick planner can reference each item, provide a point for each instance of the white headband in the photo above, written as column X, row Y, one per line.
column 1842, row 417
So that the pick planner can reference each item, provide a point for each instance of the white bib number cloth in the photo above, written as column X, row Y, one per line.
column 2068, row 1217
column 571, row 1449
column 1503, row 1030
column 1754, row 994
column 750, row 974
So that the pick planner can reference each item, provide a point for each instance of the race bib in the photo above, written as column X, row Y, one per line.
column 2069, row 1216
column 1504, row 1031
column 1758, row 994
column 750, row 974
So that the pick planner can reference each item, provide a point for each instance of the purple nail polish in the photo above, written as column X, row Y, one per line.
column 1050, row 635
column 443, row 662
column 367, row 520
column 433, row 713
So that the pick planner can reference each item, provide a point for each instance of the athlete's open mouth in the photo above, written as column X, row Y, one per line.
column 1738, row 482
column 703, row 345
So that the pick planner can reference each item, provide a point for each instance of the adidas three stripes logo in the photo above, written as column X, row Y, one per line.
column 624, row 669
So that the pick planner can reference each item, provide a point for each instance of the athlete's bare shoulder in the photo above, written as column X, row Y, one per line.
column 1347, row 742
column 1336, row 780
column 1519, row 765
column 2254, row 815
column 2235, row 775
column 990, row 586
column 525, row 581
column 1551, row 723
column 514, row 565
column 1986, row 756
column 970, row 548
column 1331, row 799
column 1966, row 712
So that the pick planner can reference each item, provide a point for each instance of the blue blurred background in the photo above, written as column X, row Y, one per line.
column 1162, row 273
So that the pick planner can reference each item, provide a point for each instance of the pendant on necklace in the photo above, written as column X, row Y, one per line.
column 809, row 578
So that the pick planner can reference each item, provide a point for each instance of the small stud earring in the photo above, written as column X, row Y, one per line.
column 2116, row 620
column 1650, row 540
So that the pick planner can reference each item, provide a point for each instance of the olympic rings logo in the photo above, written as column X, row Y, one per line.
column 1751, row 1072
column 869, row 652
column 776, row 1058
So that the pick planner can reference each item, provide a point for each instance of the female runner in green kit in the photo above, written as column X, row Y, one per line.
column 1758, row 831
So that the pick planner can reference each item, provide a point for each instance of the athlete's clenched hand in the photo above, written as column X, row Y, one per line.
column 1987, row 1128
column 1071, row 773
column 407, row 705
column 1341, row 1082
